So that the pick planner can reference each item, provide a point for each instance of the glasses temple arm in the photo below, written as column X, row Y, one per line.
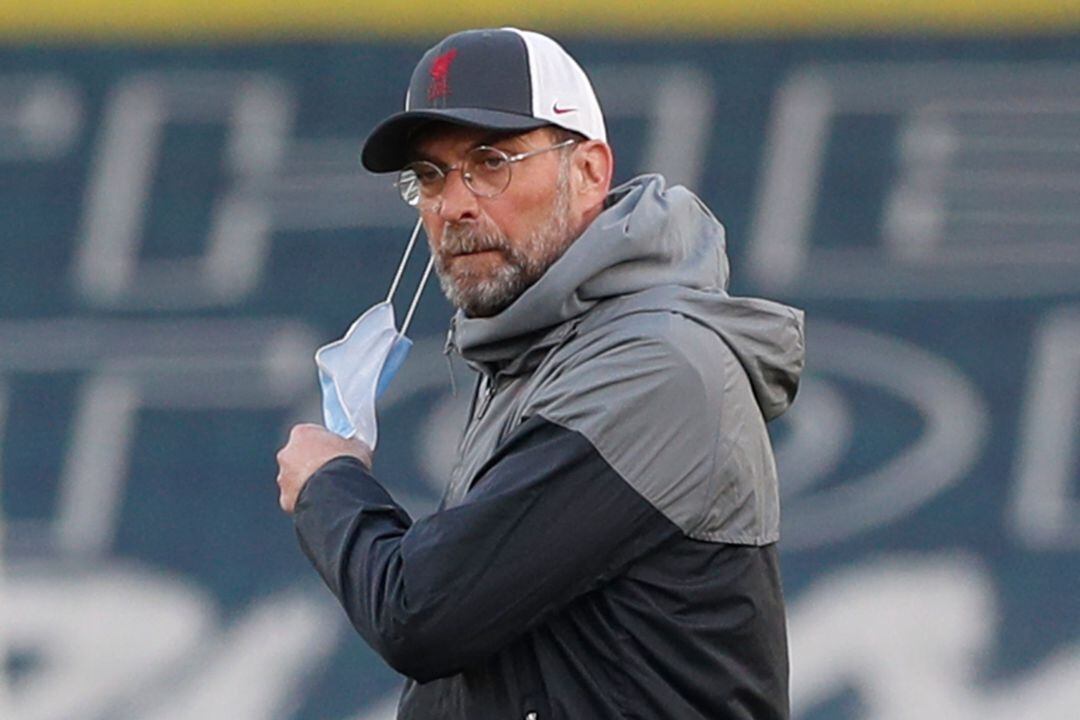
column 530, row 153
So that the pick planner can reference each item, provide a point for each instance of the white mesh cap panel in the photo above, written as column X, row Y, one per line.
column 561, row 92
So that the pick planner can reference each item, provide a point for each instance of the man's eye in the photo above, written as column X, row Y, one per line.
column 487, row 161
column 428, row 176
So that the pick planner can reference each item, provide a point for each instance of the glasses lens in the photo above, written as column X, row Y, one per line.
column 420, row 182
column 487, row 171
column 409, row 187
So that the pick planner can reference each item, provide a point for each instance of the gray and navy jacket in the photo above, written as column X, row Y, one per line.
column 606, row 545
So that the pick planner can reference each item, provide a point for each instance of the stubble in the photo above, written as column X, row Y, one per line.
column 483, row 294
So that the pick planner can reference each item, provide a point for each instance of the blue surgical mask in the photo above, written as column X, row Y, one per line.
column 357, row 369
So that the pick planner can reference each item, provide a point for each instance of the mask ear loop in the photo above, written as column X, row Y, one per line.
column 404, row 260
column 401, row 271
column 416, row 296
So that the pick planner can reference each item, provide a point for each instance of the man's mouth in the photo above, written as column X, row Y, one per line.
column 467, row 253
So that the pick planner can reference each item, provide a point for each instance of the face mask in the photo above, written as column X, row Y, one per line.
column 357, row 369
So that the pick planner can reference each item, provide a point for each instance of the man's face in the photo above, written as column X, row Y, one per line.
column 489, row 250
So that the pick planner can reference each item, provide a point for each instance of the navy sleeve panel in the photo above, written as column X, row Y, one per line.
column 548, row 521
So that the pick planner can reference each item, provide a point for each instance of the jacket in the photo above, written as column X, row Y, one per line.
column 606, row 545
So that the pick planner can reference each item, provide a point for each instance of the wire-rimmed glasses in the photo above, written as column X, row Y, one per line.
column 485, row 170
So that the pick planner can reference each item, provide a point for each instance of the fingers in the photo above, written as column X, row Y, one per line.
column 286, row 498
column 296, row 461
column 303, row 430
column 283, row 496
column 309, row 447
column 286, row 494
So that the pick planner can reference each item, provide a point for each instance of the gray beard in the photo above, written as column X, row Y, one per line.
column 484, row 296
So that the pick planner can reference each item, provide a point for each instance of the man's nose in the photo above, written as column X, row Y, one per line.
column 457, row 202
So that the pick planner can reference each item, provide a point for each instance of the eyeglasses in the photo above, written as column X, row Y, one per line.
column 485, row 171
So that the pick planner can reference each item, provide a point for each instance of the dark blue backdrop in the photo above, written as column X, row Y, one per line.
column 181, row 227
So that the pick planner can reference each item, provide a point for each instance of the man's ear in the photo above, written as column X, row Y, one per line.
column 593, row 168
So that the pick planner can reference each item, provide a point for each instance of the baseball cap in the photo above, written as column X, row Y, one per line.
column 499, row 79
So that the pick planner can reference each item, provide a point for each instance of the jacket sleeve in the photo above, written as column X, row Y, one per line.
column 547, row 521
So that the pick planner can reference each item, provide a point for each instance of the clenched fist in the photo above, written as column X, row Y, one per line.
column 309, row 448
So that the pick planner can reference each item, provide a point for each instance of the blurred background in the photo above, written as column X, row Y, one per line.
column 183, row 221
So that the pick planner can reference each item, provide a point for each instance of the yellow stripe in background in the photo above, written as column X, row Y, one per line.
column 183, row 20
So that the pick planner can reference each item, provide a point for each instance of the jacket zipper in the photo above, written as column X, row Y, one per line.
column 490, row 386
column 448, row 347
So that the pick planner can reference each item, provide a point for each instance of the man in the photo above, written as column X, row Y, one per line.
column 606, row 545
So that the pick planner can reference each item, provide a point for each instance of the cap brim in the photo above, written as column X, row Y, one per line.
column 386, row 148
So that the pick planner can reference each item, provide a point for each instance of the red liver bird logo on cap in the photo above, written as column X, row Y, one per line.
column 440, row 72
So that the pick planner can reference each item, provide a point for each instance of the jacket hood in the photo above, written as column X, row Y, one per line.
column 652, row 248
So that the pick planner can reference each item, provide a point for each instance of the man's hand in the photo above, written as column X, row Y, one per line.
column 309, row 448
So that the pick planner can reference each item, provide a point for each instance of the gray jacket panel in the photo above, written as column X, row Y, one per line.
column 632, row 340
